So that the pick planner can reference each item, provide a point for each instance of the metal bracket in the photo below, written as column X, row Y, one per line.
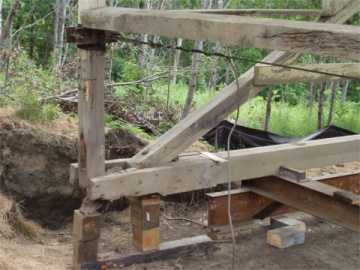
column 90, row 39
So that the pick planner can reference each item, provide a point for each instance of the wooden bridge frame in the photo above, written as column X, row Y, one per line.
column 159, row 168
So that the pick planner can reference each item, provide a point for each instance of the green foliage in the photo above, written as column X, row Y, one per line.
column 297, row 120
column 27, row 86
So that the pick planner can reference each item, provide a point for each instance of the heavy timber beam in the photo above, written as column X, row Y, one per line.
column 335, row 40
column 198, row 172
column 271, row 75
column 256, row 12
column 247, row 205
column 311, row 197
column 190, row 129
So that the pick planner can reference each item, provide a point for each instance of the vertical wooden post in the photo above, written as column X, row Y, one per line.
column 92, row 142
column 145, row 221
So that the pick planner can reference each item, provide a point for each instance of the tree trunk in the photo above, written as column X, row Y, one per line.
column 311, row 95
column 144, row 38
column 196, row 59
column 1, row 14
column 59, row 28
column 214, row 69
column 332, row 102
column 321, row 105
column 344, row 91
column 6, row 29
column 268, row 110
column 176, row 61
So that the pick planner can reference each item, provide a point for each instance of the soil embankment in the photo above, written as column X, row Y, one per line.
column 35, row 161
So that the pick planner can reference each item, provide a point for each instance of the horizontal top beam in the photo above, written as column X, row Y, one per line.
column 328, row 39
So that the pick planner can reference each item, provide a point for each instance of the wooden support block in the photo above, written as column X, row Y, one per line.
column 86, row 227
column 285, row 237
column 145, row 221
column 86, row 233
column 167, row 250
column 287, row 233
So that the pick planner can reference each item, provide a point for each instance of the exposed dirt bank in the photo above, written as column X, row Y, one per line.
column 35, row 160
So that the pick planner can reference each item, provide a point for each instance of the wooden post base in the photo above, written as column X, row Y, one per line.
column 86, row 234
column 145, row 221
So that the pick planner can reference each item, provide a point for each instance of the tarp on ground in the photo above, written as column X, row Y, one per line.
column 244, row 137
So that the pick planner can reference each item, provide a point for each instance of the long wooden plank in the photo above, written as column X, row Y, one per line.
column 193, row 127
column 197, row 172
column 271, row 75
column 247, row 205
column 320, row 38
column 309, row 200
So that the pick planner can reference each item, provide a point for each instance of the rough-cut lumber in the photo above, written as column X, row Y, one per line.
column 331, row 7
column 91, row 141
column 271, row 75
column 145, row 221
column 346, row 13
column 168, row 250
column 312, row 199
column 197, row 172
column 91, row 115
column 257, row 12
column 247, row 205
column 190, row 129
column 321, row 38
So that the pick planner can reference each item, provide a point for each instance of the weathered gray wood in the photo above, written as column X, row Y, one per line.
column 343, row 15
column 331, row 7
column 310, row 200
column 197, row 172
column 286, row 232
column 91, row 116
column 190, row 129
column 271, row 75
column 91, row 144
column 257, row 12
column 321, row 38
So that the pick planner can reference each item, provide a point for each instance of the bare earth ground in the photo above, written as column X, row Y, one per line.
column 327, row 246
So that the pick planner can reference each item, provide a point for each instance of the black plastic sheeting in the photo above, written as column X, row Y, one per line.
column 244, row 137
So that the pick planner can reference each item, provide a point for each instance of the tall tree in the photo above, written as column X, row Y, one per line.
column 268, row 109
column 196, row 59
column 215, row 61
column 59, row 28
column 176, row 63
column 321, row 104
column 1, row 14
column 334, row 86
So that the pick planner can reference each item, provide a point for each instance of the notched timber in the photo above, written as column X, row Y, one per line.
column 319, row 38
